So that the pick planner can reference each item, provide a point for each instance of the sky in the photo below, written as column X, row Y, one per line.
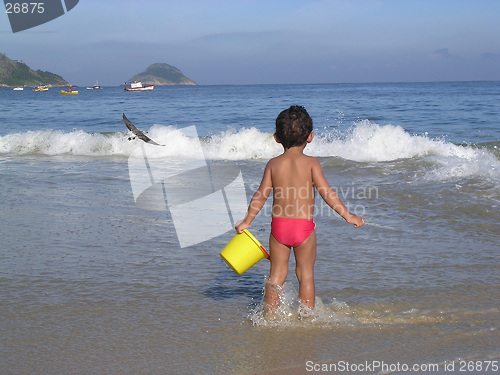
column 266, row 41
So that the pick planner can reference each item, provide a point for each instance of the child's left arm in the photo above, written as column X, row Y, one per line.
column 331, row 197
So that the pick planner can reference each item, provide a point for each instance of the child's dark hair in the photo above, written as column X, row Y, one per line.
column 293, row 126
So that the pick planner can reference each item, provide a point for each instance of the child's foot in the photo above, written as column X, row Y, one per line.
column 271, row 298
column 304, row 311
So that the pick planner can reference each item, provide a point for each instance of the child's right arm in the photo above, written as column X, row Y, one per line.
column 331, row 197
column 258, row 200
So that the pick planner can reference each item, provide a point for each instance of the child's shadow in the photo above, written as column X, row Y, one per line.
column 228, row 285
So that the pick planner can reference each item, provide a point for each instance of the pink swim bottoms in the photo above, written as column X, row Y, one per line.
column 290, row 231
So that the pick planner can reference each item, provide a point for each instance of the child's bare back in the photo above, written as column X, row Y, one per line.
column 292, row 183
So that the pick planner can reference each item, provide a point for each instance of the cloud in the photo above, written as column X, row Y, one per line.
column 443, row 53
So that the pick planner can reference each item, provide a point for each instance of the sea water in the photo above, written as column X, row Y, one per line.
column 91, row 283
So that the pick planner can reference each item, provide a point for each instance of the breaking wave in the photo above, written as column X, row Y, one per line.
column 364, row 142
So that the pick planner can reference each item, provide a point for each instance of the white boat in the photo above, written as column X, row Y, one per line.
column 137, row 86
column 97, row 86
column 18, row 88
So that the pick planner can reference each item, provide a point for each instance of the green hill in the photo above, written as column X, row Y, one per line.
column 14, row 73
column 162, row 74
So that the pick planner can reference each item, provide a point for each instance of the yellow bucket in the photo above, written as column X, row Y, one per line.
column 243, row 251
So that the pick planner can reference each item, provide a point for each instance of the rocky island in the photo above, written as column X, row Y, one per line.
column 18, row 74
column 15, row 73
column 162, row 74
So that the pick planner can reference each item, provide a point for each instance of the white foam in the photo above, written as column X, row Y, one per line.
column 55, row 142
column 370, row 142
column 481, row 163
column 364, row 142
column 243, row 144
column 292, row 313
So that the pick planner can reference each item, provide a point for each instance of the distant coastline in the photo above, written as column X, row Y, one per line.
column 17, row 74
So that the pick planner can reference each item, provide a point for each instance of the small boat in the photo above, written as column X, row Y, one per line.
column 41, row 88
column 137, row 86
column 69, row 92
column 95, row 87
column 18, row 88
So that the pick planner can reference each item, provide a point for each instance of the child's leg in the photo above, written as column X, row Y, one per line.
column 280, row 255
column 305, row 256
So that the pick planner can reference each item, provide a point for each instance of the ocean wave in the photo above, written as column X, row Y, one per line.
column 364, row 142
column 56, row 142
column 369, row 142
